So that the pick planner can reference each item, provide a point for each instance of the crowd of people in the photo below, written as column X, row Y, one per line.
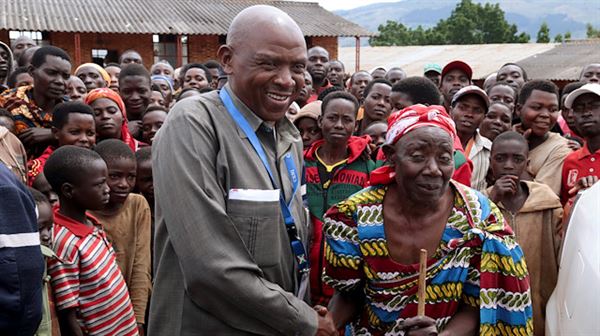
column 247, row 195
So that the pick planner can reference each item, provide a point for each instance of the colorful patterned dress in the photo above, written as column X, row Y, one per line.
column 477, row 263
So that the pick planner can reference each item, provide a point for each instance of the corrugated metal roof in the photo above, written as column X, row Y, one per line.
column 564, row 61
column 190, row 17
column 484, row 59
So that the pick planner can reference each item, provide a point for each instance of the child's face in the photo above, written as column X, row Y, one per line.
column 156, row 99
column 151, row 123
column 309, row 131
column 144, row 182
column 540, row 112
column 108, row 118
column 80, row 130
column 377, row 133
column 586, row 112
column 508, row 157
column 91, row 191
column 41, row 184
column 468, row 113
column 399, row 101
column 338, row 121
column 497, row 120
column 503, row 93
column 121, row 179
column 45, row 221
column 377, row 103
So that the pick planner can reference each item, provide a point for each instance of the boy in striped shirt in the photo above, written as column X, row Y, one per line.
column 90, row 293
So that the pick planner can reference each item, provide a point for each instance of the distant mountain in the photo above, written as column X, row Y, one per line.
column 528, row 15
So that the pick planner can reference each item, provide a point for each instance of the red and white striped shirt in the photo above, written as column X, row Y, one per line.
column 85, row 276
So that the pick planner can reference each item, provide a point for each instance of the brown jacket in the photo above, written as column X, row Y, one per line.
column 536, row 228
column 546, row 161
column 129, row 233
column 12, row 154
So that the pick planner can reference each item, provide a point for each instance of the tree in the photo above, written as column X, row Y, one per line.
column 543, row 35
column 469, row 23
column 592, row 32
column 567, row 36
column 558, row 38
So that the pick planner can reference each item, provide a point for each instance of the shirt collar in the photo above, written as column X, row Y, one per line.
column 254, row 120
column 77, row 228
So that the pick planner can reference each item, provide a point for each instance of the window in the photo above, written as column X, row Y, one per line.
column 165, row 48
column 40, row 38
column 99, row 55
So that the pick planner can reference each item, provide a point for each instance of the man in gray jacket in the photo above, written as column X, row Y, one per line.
column 226, row 169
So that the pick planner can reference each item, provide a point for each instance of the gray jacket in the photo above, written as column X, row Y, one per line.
column 222, row 259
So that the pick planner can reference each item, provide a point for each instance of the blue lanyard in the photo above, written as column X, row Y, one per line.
column 296, row 244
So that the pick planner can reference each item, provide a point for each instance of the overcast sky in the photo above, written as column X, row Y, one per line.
column 346, row 4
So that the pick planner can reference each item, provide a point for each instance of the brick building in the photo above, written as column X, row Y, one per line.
column 180, row 31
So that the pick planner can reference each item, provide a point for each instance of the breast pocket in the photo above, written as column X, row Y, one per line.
column 257, row 218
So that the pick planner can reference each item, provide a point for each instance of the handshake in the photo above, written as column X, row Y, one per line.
column 326, row 325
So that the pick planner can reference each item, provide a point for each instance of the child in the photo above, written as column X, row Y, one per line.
column 582, row 167
column 126, row 219
column 534, row 212
column 144, row 181
column 157, row 98
column 497, row 120
column 152, row 121
column 90, row 292
column 377, row 103
column 414, row 90
column 306, row 121
column 376, row 131
column 72, row 124
column 336, row 167
column 45, row 219
column 537, row 107
column 566, row 120
column 469, row 106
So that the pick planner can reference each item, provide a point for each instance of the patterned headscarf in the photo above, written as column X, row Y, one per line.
column 169, row 80
column 96, row 94
column 407, row 120
column 98, row 68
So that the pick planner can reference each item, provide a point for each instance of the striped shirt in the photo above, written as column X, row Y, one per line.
column 86, row 277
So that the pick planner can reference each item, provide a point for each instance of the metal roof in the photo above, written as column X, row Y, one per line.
column 484, row 59
column 564, row 61
column 188, row 17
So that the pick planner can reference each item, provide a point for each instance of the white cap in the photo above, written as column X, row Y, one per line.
column 587, row 88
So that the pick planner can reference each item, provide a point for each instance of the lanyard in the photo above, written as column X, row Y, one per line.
column 296, row 244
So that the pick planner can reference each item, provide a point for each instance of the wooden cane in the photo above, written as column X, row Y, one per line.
column 422, row 282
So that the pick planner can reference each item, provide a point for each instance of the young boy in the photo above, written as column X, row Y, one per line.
column 376, row 131
column 414, row 90
column 306, row 121
column 72, row 124
column 126, row 219
column 566, row 120
column 152, row 121
column 144, row 183
column 534, row 212
column 336, row 167
column 90, row 292
column 469, row 106
column 582, row 167
column 497, row 120
column 537, row 107
column 45, row 219
column 134, row 89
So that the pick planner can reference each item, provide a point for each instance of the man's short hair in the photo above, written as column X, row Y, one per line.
column 518, row 66
column 133, row 69
column 508, row 136
column 420, row 90
column 189, row 66
column 143, row 154
column 38, row 197
column 340, row 95
column 117, row 65
column 503, row 84
column 111, row 150
column 128, row 51
column 328, row 91
column 67, row 165
column 60, row 114
column 568, row 89
column 39, row 57
column 356, row 73
column 11, row 81
column 537, row 84
column 212, row 64
column 373, row 82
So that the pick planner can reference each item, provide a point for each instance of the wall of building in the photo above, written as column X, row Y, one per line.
column 202, row 48
column 329, row 43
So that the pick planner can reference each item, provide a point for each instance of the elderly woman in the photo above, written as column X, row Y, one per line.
column 477, row 281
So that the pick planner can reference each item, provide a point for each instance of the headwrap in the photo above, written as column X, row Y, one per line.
column 407, row 120
column 169, row 80
column 96, row 94
column 98, row 68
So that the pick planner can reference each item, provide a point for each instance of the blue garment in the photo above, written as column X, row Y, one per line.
column 21, row 261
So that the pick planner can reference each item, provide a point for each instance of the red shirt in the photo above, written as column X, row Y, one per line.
column 85, row 276
column 313, row 97
column 580, row 163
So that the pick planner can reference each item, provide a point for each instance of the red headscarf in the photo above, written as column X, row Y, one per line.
column 96, row 94
column 409, row 119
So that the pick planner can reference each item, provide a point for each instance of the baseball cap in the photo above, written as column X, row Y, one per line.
column 587, row 88
column 475, row 90
column 432, row 67
column 310, row 110
column 458, row 65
